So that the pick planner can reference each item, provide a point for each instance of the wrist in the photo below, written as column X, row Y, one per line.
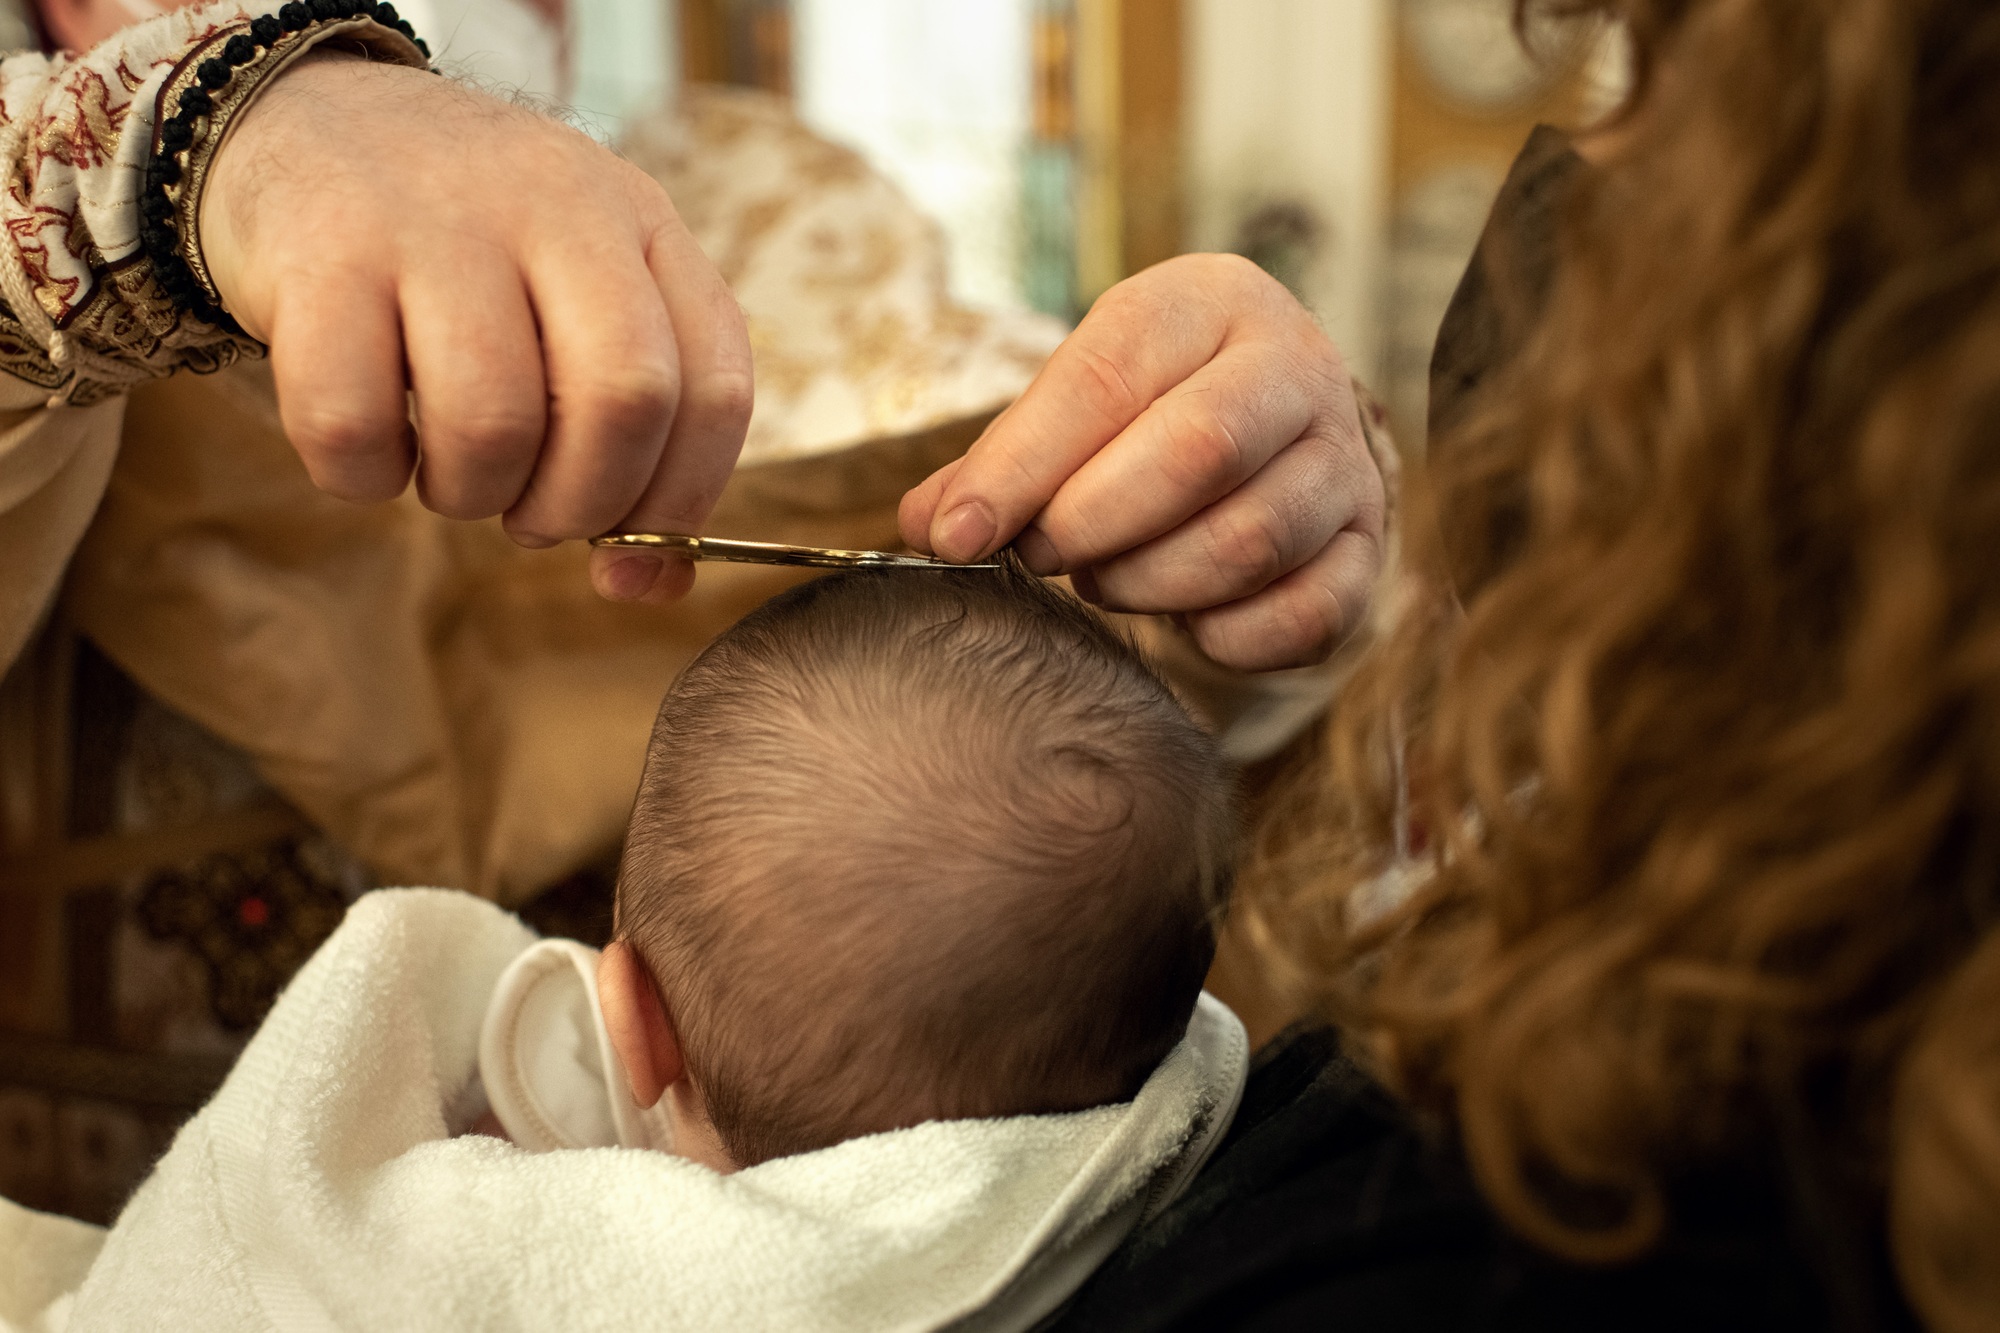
column 225, row 215
column 213, row 89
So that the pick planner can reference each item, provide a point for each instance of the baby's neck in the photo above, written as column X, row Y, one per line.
column 694, row 1133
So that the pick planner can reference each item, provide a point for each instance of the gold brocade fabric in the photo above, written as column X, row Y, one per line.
column 841, row 279
column 454, row 709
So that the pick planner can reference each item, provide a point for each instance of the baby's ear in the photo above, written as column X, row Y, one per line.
column 636, row 1020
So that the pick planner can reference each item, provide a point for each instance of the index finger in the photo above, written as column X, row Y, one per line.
column 716, row 388
column 1133, row 346
column 708, row 428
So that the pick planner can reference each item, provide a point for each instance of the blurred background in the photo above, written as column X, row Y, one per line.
column 169, row 853
column 1350, row 147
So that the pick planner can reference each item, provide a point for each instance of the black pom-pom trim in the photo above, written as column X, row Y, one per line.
column 196, row 101
column 386, row 15
column 265, row 30
column 211, row 74
column 323, row 10
column 239, row 50
column 294, row 17
column 176, row 135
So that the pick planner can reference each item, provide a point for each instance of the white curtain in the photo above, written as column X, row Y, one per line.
column 624, row 60
column 936, row 94
column 1288, row 103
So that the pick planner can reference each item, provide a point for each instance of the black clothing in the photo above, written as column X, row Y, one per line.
column 1508, row 280
column 1327, row 1206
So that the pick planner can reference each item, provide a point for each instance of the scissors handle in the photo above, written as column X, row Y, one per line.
column 774, row 553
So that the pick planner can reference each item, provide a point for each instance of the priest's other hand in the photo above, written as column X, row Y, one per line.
column 577, row 364
column 1193, row 448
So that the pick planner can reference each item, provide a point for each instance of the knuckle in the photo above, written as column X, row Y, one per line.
column 1248, row 545
column 1371, row 515
column 1234, row 273
column 339, row 436
column 1205, row 449
column 348, row 454
column 1232, row 269
column 725, row 398
column 650, row 200
column 1288, row 629
column 1106, row 389
column 451, row 501
column 1304, row 629
column 632, row 397
column 1342, row 468
column 1359, row 485
column 490, row 439
column 1247, row 291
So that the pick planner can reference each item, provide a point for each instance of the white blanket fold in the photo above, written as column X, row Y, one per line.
column 322, row 1188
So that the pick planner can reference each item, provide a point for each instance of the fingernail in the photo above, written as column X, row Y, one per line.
column 1038, row 553
column 966, row 532
column 633, row 577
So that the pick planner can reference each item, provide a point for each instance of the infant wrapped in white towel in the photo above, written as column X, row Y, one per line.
column 895, row 1032
column 910, row 848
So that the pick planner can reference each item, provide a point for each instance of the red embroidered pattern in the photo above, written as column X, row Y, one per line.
column 69, row 206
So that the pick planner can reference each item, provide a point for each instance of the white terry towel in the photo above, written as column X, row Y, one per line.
column 322, row 1189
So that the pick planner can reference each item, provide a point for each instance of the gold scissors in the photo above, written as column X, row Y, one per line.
column 774, row 553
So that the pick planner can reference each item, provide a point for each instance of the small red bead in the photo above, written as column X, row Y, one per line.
column 253, row 912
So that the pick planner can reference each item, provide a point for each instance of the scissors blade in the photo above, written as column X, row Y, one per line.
column 774, row 553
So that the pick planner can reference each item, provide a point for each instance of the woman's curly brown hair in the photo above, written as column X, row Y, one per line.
column 1695, row 681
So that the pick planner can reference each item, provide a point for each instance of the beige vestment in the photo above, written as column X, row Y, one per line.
column 53, row 469
column 450, row 707
column 456, row 710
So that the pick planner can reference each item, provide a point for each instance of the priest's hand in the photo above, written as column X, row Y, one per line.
column 577, row 364
column 1194, row 448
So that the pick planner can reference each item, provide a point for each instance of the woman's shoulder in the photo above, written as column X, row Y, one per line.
column 1328, row 1201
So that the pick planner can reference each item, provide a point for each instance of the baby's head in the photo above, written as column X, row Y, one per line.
column 916, row 846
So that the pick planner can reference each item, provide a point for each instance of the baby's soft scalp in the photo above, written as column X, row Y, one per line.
column 926, row 845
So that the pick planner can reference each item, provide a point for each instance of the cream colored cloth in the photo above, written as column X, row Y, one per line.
column 80, row 317
column 54, row 465
column 322, row 1188
column 841, row 278
column 454, row 709
column 43, row 1260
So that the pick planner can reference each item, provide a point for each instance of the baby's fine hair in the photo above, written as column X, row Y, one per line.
column 917, row 845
